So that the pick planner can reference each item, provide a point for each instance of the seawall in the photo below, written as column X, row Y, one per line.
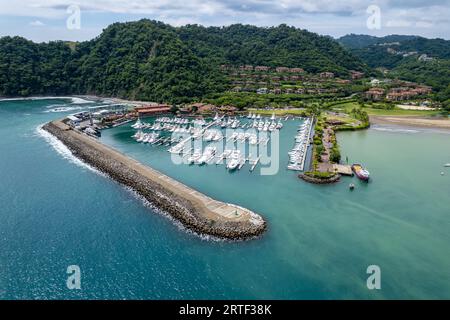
column 193, row 209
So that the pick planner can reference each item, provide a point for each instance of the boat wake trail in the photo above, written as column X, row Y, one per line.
column 62, row 150
column 61, row 108
column 396, row 130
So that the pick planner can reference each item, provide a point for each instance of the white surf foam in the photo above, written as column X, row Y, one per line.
column 74, row 100
column 62, row 150
column 399, row 130
column 62, row 109
column 65, row 152
column 177, row 223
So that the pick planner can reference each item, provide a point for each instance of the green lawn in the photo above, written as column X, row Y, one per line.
column 278, row 112
column 347, row 107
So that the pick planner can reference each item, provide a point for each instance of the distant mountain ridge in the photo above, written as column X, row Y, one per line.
column 358, row 41
column 411, row 58
column 151, row 60
column 381, row 51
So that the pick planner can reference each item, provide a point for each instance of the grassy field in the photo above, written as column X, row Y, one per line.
column 347, row 107
column 346, row 120
column 278, row 112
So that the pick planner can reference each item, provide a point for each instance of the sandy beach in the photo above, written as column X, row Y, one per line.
column 422, row 122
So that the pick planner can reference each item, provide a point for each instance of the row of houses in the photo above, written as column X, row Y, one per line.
column 325, row 75
column 356, row 74
column 225, row 67
column 289, row 90
column 397, row 94
column 266, row 76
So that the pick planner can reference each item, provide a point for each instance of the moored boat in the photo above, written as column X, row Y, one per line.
column 361, row 172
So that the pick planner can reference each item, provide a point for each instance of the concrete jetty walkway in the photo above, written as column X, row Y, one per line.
column 193, row 209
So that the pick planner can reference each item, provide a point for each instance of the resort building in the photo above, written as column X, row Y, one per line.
column 246, row 68
column 261, row 91
column 296, row 70
column 375, row 82
column 405, row 93
column 262, row 68
column 356, row 74
column 151, row 110
column 326, row 75
column 282, row 69
column 375, row 94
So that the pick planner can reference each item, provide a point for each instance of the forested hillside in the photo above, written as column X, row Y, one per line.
column 410, row 58
column 358, row 41
column 155, row 61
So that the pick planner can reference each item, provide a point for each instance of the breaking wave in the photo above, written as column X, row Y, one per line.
column 57, row 109
column 74, row 100
column 62, row 150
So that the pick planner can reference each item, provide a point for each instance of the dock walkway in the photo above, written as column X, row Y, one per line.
column 193, row 209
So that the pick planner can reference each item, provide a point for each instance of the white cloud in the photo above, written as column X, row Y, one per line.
column 37, row 23
column 334, row 17
column 398, row 24
column 424, row 24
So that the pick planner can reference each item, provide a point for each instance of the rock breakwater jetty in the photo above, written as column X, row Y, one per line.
column 194, row 210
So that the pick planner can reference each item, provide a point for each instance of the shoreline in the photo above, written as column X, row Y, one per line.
column 194, row 210
column 412, row 121
column 89, row 98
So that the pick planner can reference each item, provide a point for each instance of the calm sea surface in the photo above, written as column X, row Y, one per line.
column 56, row 212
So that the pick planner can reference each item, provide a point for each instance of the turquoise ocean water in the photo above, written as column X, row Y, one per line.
column 56, row 212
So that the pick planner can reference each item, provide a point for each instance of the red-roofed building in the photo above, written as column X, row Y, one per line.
column 150, row 110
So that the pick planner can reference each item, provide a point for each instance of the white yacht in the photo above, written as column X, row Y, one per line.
column 253, row 139
column 272, row 126
column 208, row 154
column 218, row 136
column 138, row 124
column 137, row 135
column 177, row 148
column 195, row 156
column 235, row 160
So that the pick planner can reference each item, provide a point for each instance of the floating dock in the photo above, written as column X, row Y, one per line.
column 301, row 165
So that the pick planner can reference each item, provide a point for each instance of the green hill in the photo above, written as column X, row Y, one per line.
column 410, row 58
column 358, row 41
column 154, row 61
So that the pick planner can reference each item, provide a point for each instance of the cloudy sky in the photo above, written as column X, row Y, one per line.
column 44, row 20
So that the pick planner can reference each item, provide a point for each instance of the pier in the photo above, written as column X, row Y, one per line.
column 194, row 210
column 345, row 170
column 255, row 163
column 300, row 166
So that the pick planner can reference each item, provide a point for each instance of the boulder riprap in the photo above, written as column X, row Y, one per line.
column 193, row 209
